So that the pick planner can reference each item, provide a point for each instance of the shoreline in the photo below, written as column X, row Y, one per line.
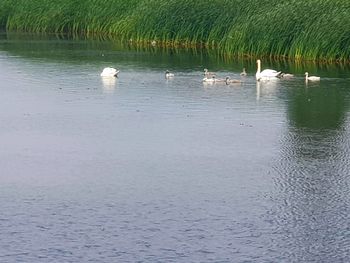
column 175, row 45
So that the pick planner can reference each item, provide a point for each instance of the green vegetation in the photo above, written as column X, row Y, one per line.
column 297, row 29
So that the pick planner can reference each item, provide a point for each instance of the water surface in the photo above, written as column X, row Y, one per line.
column 143, row 169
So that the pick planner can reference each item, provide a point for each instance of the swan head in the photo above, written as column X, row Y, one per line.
column 306, row 74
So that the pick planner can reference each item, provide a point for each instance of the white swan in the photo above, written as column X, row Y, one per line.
column 109, row 72
column 243, row 73
column 266, row 74
column 208, row 74
column 311, row 78
column 209, row 80
column 168, row 75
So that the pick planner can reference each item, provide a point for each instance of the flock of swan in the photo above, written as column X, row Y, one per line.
column 268, row 74
column 210, row 77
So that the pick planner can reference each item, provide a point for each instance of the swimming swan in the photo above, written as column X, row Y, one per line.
column 109, row 72
column 243, row 73
column 232, row 81
column 311, row 78
column 220, row 80
column 266, row 73
column 208, row 74
column 210, row 79
column 287, row 76
column 168, row 75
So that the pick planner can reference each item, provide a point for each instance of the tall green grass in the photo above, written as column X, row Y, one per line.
column 297, row 29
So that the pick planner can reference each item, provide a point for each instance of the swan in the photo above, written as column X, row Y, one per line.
column 266, row 73
column 243, row 73
column 287, row 76
column 220, row 80
column 208, row 74
column 210, row 79
column 231, row 81
column 168, row 75
column 311, row 78
column 109, row 72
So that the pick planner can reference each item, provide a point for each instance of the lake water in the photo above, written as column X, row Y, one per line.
column 144, row 169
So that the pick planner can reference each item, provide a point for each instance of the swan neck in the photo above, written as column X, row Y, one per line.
column 259, row 67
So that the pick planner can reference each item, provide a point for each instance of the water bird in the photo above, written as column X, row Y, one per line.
column 287, row 75
column 109, row 72
column 232, row 81
column 311, row 78
column 243, row 73
column 208, row 74
column 209, row 79
column 266, row 74
column 220, row 80
column 168, row 75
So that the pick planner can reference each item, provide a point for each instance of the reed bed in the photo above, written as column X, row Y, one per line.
column 295, row 29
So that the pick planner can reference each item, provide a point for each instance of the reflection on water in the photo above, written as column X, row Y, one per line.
column 144, row 168
column 267, row 87
column 311, row 174
column 109, row 84
column 318, row 107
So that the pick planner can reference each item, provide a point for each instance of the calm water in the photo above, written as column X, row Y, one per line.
column 142, row 169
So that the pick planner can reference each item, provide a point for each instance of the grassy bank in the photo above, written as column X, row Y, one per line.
column 298, row 29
